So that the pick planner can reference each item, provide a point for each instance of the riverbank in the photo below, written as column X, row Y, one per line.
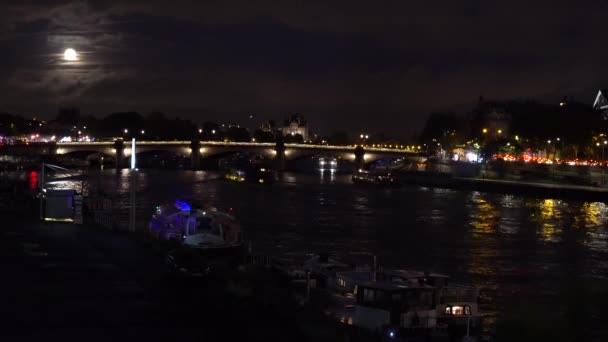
column 534, row 189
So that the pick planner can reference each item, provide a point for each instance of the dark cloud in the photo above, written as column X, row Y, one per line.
column 357, row 64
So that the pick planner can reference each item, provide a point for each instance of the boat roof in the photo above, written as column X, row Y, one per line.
column 392, row 286
column 412, row 274
column 365, row 279
column 172, row 209
column 356, row 276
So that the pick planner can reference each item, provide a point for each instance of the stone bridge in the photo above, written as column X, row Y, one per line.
column 197, row 150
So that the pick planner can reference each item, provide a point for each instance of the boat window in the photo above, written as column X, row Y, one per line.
column 382, row 297
column 412, row 298
column 397, row 298
column 457, row 310
column 203, row 223
column 426, row 298
column 368, row 295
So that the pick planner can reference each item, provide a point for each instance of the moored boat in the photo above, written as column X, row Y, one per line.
column 207, row 229
column 399, row 303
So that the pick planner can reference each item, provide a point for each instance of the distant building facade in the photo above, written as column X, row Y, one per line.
column 494, row 119
column 295, row 125
column 267, row 126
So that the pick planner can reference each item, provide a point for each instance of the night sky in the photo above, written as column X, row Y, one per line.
column 378, row 66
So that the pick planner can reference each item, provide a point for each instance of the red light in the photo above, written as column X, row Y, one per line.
column 33, row 180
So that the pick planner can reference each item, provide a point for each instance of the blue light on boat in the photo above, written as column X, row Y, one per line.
column 182, row 205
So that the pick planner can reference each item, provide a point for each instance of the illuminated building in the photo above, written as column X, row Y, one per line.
column 601, row 103
column 296, row 125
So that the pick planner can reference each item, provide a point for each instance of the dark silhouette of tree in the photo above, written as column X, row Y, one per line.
column 11, row 125
column 235, row 133
column 446, row 129
column 208, row 129
column 263, row 136
column 115, row 124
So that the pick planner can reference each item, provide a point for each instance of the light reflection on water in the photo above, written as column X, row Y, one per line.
column 550, row 217
column 511, row 242
column 483, row 215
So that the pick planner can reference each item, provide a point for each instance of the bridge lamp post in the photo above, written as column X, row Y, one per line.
column 364, row 137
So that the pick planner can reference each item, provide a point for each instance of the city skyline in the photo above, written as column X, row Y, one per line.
column 378, row 69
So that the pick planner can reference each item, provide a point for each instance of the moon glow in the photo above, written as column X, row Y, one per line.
column 70, row 55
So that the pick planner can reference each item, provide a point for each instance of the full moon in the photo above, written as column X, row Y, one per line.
column 70, row 55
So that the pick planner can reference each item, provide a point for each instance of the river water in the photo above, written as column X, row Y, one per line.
column 515, row 245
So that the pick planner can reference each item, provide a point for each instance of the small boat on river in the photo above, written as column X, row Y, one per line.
column 374, row 177
column 251, row 174
column 207, row 230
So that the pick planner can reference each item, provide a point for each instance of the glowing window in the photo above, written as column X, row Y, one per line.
column 457, row 310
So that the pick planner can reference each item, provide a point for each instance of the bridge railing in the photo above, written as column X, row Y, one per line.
column 248, row 144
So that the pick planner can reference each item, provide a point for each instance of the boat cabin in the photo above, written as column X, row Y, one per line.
column 195, row 226
column 379, row 304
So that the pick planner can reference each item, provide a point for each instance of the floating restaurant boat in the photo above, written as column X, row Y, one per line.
column 374, row 177
column 204, row 229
